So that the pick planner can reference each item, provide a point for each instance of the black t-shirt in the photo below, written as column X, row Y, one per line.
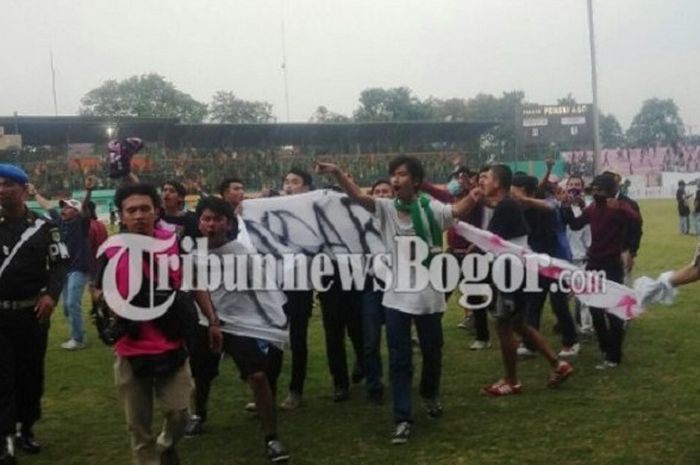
column 683, row 209
column 186, row 225
column 508, row 220
column 542, row 237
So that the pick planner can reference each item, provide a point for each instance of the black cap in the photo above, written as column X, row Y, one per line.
column 605, row 182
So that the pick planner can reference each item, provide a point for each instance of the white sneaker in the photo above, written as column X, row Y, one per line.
column 572, row 351
column 72, row 344
column 606, row 365
column 251, row 407
column 480, row 345
column 524, row 351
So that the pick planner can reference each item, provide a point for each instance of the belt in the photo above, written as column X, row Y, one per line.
column 18, row 304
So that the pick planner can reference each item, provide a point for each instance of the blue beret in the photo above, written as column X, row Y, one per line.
column 14, row 173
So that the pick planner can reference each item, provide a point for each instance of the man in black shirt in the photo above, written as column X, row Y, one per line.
column 509, row 223
column 33, row 264
column 683, row 210
column 174, row 213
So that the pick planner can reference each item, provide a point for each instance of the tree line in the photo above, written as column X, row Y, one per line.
column 152, row 96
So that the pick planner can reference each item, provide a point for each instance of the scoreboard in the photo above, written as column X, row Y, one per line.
column 566, row 125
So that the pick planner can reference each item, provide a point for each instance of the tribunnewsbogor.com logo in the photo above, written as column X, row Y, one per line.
column 410, row 269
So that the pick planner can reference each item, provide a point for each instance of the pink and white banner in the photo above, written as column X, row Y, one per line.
column 616, row 298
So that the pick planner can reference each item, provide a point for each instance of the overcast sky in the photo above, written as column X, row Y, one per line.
column 337, row 48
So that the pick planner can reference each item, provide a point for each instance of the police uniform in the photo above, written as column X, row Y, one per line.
column 33, row 263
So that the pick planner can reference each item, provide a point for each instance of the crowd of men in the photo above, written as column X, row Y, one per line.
column 174, row 358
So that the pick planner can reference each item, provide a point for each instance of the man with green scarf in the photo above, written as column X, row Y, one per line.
column 410, row 213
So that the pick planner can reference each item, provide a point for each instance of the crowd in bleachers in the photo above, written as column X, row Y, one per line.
column 203, row 170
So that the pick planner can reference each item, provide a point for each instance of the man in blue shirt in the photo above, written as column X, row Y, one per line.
column 73, row 220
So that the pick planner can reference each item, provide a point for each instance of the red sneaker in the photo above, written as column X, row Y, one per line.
column 559, row 374
column 502, row 388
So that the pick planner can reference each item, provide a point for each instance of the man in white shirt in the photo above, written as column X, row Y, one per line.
column 409, row 214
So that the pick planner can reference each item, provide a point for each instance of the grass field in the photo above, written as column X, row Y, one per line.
column 645, row 412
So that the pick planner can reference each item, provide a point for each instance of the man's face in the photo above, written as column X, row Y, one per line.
column 234, row 194
column 574, row 183
column 214, row 226
column 171, row 199
column 69, row 213
column 383, row 191
column 12, row 194
column 138, row 214
column 488, row 183
column 402, row 183
column 294, row 184
column 518, row 191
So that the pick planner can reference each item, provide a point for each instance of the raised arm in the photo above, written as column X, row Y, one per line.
column 466, row 204
column 89, row 186
column 350, row 188
column 40, row 199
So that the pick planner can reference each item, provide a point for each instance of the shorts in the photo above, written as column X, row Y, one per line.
column 246, row 354
column 203, row 361
column 509, row 306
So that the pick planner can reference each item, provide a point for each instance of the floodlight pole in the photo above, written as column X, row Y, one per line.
column 594, row 84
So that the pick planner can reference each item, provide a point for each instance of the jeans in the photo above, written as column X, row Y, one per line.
column 73, row 289
column 684, row 224
column 373, row 317
column 697, row 224
column 398, row 335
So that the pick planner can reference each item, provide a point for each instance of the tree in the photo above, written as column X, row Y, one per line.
column 397, row 104
column 145, row 96
column 323, row 115
column 452, row 109
column 611, row 134
column 568, row 101
column 657, row 122
column 225, row 107
column 499, row 140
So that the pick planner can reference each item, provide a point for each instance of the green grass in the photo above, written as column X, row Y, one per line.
column 646, row 412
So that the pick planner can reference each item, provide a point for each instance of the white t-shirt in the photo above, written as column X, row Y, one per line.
column 256, row 314
column 391, row 225
column 579, row 241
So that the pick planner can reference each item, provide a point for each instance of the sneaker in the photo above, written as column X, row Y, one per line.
column 502, row 388
column 433, row 407
column 194, row 426
column 466, row 323
column 250, row 407
column 292, row 402
column 480, row 345
column 524, row 352
column 72, row 344
column 7, row 451
column 559, row 374
column 276, row 451
column 341, row 394
column 571, row 351
column 606, row 365
column 401, row 433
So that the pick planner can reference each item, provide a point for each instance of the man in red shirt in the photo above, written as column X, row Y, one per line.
column 609, row 219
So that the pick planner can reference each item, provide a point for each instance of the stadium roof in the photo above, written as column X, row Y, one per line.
column 78, row 129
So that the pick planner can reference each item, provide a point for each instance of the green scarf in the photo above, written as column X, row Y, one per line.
column 413, row 209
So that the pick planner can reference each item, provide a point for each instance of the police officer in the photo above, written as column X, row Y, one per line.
column 33, row 264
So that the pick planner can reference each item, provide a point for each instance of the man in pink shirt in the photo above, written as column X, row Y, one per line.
column 151, row 357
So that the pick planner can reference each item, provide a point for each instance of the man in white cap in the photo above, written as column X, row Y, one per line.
column 74, row 223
